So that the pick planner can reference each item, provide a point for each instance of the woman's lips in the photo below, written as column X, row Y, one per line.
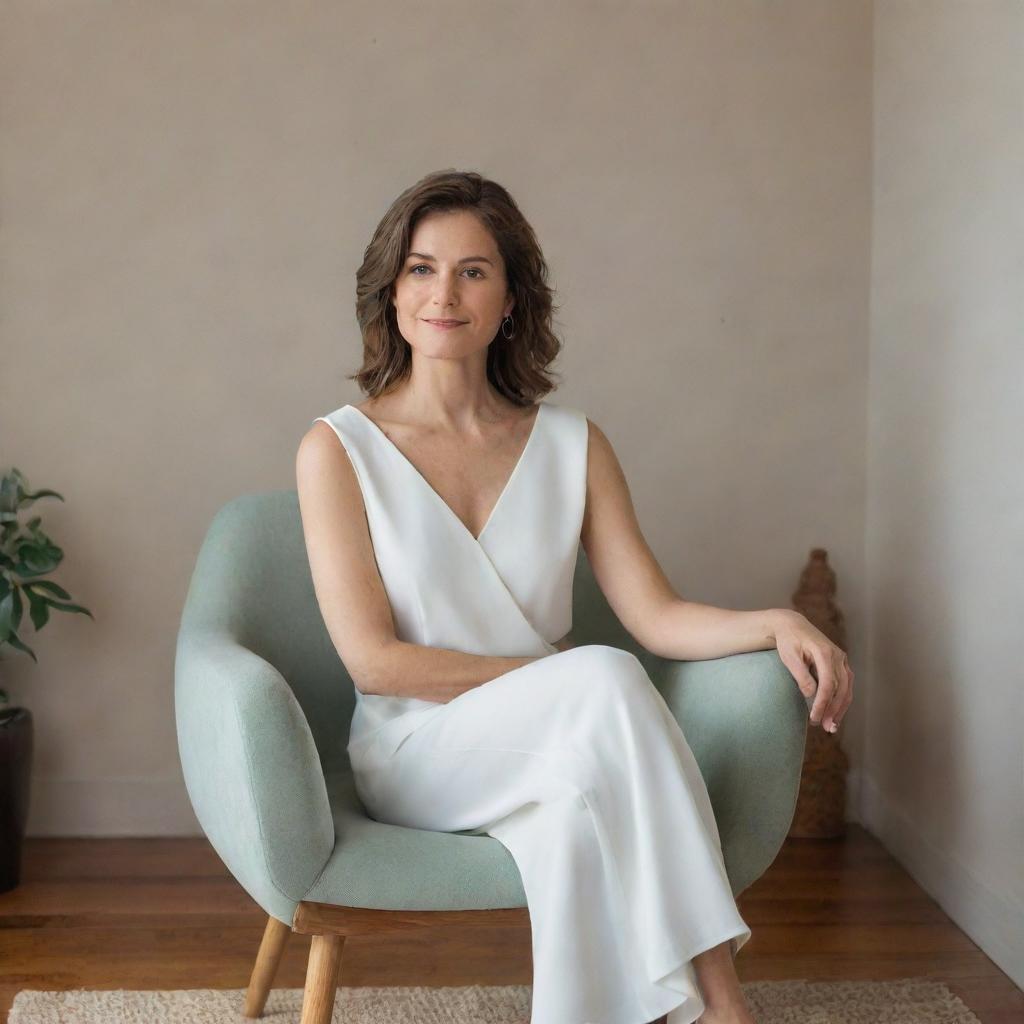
column 445, row 325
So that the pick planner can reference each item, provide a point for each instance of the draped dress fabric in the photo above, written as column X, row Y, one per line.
column 573, row 762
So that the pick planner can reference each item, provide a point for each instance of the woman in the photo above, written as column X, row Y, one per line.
column 442, row 532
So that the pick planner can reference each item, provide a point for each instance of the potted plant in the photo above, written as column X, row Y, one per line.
column 26, row 555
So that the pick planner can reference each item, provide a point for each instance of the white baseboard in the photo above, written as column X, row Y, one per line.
column 110, row 807
column 993, row 920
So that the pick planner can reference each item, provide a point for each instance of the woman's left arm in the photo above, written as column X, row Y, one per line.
column 691, row 632
column 667, row 625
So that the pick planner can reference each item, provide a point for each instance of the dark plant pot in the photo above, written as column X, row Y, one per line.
column 15, row 772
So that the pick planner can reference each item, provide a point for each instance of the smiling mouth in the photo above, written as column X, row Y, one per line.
column 447, row 323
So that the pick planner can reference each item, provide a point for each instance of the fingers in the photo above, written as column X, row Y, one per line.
column 846, row 697
column 826, row 683
column 833, row 703
column 832, row 691
column 804, row 680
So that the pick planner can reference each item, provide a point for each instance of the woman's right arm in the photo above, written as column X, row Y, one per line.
column 351, row 594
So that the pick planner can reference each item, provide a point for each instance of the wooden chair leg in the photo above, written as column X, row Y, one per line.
column 275, row 935
column 322, row 979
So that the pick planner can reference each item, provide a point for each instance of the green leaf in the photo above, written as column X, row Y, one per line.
column 38, row 563
column 38, row 608
column 15, row 642
column 26, row 498
column 18, row 608
column 50, row 586
column 70, row 608
column 6, row 616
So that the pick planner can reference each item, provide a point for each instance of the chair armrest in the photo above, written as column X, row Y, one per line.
column 251, row 769
column 745, row 720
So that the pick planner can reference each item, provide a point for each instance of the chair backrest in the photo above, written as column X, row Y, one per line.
column 252, row 583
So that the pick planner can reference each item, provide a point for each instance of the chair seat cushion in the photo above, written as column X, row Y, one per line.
column 390, row 867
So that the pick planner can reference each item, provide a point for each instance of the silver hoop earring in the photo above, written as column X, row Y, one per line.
column 511, row 327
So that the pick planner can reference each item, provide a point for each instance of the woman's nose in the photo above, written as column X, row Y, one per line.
column 444, row 288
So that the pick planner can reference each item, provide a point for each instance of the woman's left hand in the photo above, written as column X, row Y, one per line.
column 801, row 644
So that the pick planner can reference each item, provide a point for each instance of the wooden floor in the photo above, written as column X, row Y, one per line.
column 166, row 914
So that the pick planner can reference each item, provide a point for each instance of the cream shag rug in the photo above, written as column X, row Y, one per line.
column 907, row 1001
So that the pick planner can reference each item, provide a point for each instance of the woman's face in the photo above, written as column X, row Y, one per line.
column 453, row 272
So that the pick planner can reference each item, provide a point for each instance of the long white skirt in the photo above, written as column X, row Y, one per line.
column 578, row 767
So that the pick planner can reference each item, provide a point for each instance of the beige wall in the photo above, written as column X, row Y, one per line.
column 942, row 768
column 187, row 191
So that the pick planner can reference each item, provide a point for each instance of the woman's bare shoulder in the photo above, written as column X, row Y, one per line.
column 323, row 458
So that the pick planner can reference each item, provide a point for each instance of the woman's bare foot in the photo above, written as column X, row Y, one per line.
column 723, row 995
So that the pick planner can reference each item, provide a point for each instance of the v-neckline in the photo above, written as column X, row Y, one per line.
column 429, row 487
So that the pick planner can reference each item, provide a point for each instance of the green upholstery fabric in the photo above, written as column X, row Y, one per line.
column 263, row 705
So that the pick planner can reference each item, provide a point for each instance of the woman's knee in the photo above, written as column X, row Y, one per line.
column 607, row 668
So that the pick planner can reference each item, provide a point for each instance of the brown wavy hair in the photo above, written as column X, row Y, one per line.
column 518, row 366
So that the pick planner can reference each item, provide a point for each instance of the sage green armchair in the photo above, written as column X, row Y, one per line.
column 263, row 705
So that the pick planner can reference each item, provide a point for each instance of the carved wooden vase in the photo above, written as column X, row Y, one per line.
column 821, row 804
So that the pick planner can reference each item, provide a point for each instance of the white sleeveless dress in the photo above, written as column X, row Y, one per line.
column 573, row 762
